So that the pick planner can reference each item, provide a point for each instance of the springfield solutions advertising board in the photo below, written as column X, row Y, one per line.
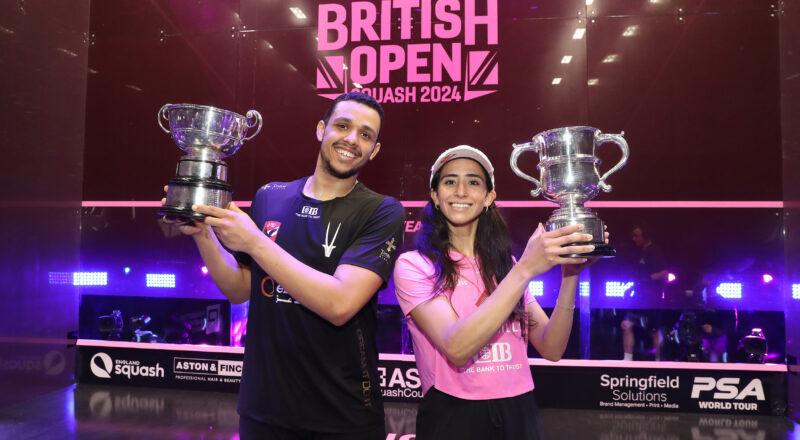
column 661, row 386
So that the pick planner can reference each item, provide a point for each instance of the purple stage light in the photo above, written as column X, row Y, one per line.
column 730, row 290
column 127, row 270
column 166, row 280
column 90, row 278
column 583, row 288
column 238, row 332
column 536, row 288
column 204, row 269
column 59, row 277
column 671, row 277
column 618, row 288
column 795, row 291
column 767, row 278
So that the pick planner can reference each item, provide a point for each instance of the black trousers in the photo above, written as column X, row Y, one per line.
column 442, row 417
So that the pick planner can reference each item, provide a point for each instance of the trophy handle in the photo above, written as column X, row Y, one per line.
column 162, row 113
column 623, row 145
column 257, row 115
column 519, row 149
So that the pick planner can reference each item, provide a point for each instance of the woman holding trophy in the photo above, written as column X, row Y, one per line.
column 471, row 315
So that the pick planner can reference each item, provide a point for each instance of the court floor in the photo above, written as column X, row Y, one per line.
column 113, row 412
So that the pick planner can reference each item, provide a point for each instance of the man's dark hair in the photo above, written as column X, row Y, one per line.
column 359, row 97
column 645, row 230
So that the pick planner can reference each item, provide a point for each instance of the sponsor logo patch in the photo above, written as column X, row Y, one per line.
column 271, row 229
column 386, row 253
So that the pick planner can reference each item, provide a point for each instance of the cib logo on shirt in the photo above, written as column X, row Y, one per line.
column 494, row 352
column 308, row 211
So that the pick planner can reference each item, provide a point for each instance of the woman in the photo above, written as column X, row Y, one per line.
column 471, row 314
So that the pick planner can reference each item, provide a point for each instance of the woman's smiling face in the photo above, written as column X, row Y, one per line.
column 462, row 192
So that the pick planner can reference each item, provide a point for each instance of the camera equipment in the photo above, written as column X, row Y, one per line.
column 686, row 334
column 139, row 322
column 110, row 326
column 753, row 347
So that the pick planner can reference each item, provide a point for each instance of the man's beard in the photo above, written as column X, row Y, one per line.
column 326, row 162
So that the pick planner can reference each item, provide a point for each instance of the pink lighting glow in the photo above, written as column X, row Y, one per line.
column 767, row 278
column 671, row 277
column 748, row 204
column 204, row 270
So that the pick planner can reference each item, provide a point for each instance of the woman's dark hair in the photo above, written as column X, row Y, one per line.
column 492, row 247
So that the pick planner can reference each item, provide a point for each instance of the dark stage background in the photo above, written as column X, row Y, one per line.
column 707, row 93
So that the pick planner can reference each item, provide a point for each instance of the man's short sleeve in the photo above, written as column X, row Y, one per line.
column 376, row 247
column 256, row 207
column 413, row 281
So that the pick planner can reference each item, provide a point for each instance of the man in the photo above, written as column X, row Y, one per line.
column 650, row 273
column 310, row 257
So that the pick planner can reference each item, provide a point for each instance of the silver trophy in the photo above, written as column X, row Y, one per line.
column 207, row 135
column 569, row 177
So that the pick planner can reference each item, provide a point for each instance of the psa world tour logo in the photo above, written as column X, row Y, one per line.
column 408, row 50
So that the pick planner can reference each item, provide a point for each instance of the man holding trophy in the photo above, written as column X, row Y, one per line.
column 310, row 258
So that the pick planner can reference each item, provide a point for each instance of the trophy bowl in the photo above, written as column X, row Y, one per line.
column 194, row 127
column 574, row 176
column 207, row 134
column 568, row 176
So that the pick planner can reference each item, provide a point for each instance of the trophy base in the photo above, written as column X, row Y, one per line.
column 591, row 225
column 180, row 215
column 600, row 251
column 183, row 192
